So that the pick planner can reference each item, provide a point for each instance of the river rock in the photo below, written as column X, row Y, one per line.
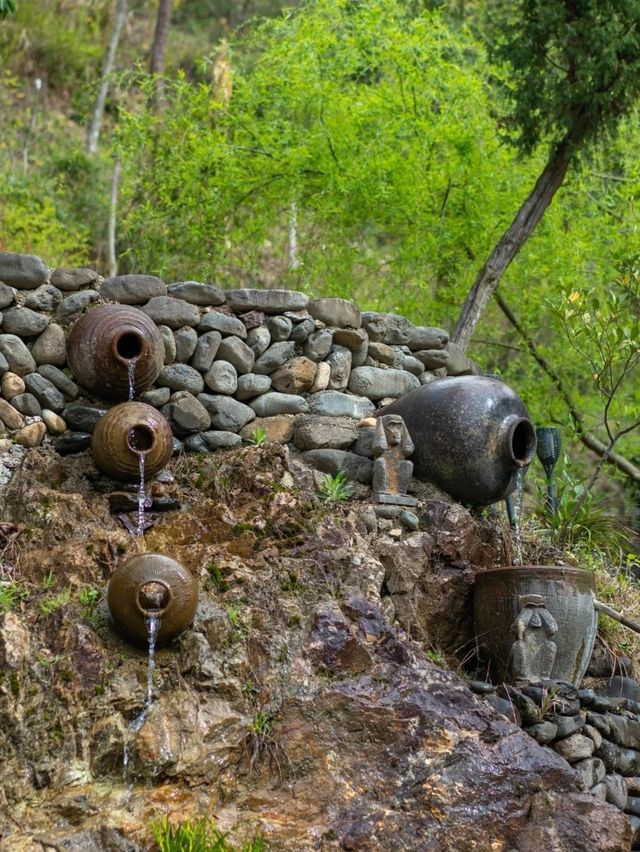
column 274, row 357
column 295, row 376
column 181, row 377
column 50, row 347
column 45, row 392
column 165, row 310
column 7, row 295
column 339, row 360
column 132, row 289
column 574, row 748
column 313, row 432
column 54, row 423
column 68, row 387
column 169, row 343
column 195, row 444
column 269, row 301
column 45, row 298
column 222, row 377
column 23, row 271
column 624, row 731
column 352, row 338
column 336, row 312
column 73, row 279
column 72, row 306
column 259, row 340
column 27, row 404
column 251, row 385
column 591, row 771
column 17, row 357
column 227, row 414
column 384, row 354
column 321, row 378
column 279, row 328
column 335, row 404
column 392, row 329
column 616, row 790
column 186, row 339
column 206, row 295
column 23, row 321
column 72, row 442
column 237, row 353
column 205, row 351
column 186, row 414
column 376, row 383
column 31, row 435
column 219, row 440
column 156, row 396
column 412, row 365
column 278, row 429
column 82, row 417
column 270, row 404
column 11, row 418
column 301, row 331
column 319, row 344
column 427, row 337
column 12, row 385
column 226, row 325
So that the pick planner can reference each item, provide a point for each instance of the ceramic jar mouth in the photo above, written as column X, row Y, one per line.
column 140, row 439
column 521, row 441
column 128, row 346
column 153, row 598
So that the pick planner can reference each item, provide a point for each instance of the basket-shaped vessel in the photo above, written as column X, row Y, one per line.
column 113, row 346
column 151, row 584
column 126, row 432
column 545, row 613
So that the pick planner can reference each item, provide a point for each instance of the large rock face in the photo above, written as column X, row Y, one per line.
column 293, row 708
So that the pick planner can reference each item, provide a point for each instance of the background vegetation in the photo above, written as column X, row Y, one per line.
column 360, row 148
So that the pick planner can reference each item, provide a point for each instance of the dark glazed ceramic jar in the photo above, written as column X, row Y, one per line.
column 502, row 595
column 151, row 584
column 109, row 341
column 126, row 432
column 472, row 435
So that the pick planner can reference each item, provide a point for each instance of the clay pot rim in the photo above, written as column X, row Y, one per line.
column 134, row 332
column 155, row 613
column 548, row 571
column 516, row 423
column 148, row 430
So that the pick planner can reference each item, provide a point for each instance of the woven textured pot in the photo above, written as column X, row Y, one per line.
column 109, row 341
column 152, row 584
column 472, row 434
column 126, row 431
column 558, row 602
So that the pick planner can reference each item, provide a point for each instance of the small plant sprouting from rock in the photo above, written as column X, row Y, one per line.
column 11, row 593
column 89, row 598
column 334, row 488
column 258, row 437
column 200, row 835
column 52, row 603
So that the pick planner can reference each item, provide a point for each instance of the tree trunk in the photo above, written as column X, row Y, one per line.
column 159, row 46
column 107, row 67
column 113, row 213
column 526, row 219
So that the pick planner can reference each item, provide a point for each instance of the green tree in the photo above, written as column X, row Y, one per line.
column 6, row 8
column 574, row 72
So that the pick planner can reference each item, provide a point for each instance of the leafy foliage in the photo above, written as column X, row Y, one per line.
column 199, row 835
column 335, row 488
column 6, row 8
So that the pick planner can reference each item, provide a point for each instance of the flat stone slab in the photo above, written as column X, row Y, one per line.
column 357, row 468
column 336, row 312
column 336, row 404
column 376, row 383
column 23, row 321
column 269, row 301
column 227, row 414
column 270, row 404
column 132, row 289
column 165, row 310
column 226, row 325
column 314, row 431
column 73, row 279
column 206, row 295
column 392, row 329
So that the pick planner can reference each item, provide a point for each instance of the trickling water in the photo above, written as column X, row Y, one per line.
column 141, row 496
column 131, row 371
column 517, row 513
column 153, row 626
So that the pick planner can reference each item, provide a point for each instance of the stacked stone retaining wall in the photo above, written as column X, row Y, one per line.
column 237, row 362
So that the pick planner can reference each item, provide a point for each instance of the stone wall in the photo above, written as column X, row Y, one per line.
column 301, row 370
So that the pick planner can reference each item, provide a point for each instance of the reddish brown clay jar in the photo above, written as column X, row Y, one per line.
column 126, row 432
column 111, row 342
column 147, row 585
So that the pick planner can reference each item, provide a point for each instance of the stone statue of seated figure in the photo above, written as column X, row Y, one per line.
column 534, row 651
column 391, row 469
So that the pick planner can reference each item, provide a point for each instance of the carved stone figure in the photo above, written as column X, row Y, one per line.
column 534, row 652
column 391, row 469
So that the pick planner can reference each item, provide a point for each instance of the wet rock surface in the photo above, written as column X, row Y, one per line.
column 294, row 708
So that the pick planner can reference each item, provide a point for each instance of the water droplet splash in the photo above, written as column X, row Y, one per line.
column 153, row 626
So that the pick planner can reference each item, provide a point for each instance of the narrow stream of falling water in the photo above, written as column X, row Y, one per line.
column 517, row 514
column 153, row 626
column 141, row 495
column 131, row 371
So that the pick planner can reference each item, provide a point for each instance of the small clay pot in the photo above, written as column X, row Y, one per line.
column 126, row 432
column 108, row 342
column 151, row 584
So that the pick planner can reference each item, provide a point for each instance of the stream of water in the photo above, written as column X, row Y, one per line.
column 141, row 495
column 153, row 626
column 131, row 371
column 518, row 499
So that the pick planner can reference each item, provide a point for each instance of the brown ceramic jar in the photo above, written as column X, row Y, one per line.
column 108, row 342
column 126, row 432
column 150, row 584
